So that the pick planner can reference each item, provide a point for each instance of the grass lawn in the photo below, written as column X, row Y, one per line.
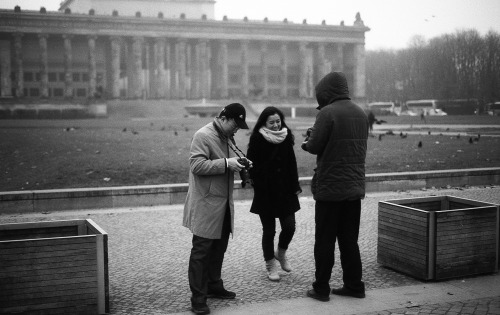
column 54, row 154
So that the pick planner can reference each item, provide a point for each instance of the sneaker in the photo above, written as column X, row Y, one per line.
column 348, row 292
column 221, row 294
column 312, row 294
column 200, row 308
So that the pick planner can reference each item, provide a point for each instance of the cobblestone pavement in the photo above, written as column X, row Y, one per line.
column 149, row 251
column 479, row 306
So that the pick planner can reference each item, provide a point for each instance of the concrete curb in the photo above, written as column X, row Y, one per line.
column 152, row 195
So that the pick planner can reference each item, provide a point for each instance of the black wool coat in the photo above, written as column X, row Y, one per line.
column 275, row 177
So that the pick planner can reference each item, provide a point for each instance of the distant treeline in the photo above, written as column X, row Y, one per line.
column 463, row 65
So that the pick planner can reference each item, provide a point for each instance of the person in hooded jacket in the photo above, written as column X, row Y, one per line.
column 276, row 185
column 339, row 139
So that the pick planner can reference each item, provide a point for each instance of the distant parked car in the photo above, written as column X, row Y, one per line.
column 382, row 108
column 493, row 109
column 429, row 107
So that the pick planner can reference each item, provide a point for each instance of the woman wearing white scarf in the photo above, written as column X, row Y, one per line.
column 276, row 185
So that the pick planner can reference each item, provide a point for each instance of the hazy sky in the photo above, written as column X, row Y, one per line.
column 392, row 22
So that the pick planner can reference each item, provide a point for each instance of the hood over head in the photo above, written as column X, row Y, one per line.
column 333, row 87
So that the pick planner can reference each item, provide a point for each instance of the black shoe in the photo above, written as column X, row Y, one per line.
column 221, row 294
column 200, row 308
column 348, row 292
column 312, row 294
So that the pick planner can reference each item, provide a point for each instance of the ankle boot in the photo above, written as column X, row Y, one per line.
column 280, row 255
column 272, row 270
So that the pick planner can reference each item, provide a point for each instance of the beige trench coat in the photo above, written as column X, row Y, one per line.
column 210, row 184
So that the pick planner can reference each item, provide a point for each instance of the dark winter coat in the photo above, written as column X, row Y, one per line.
column 339, row 139
column 274, row 175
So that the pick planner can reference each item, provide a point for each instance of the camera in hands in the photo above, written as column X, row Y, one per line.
column 244, row 174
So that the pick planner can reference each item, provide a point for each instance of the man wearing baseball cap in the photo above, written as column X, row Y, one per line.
column 209, row 207
column 237, row 112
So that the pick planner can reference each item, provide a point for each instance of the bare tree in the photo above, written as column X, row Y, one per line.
column 460, row 65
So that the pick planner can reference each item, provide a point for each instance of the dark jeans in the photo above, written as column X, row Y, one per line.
column 205, row 263
column 337, row 221
column 269, row 230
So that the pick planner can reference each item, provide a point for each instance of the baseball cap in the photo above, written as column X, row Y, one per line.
column 237, row 112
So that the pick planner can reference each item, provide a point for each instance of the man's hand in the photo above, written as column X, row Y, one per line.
column 304, row 146
column 235, row 166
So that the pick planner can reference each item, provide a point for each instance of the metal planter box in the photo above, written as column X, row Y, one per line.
column 438, row 237
column 54, row 267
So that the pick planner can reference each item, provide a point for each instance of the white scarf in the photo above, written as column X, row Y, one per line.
column 273, row 136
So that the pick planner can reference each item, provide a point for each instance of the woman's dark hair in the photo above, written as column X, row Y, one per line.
column 261, row 121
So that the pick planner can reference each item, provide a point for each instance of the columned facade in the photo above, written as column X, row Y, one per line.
column 227, row 59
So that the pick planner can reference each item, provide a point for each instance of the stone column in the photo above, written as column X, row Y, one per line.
column 360, row 71
column 264, row 67
column 188, row 81
column 146, row 74
column 208, row 75
column 181, row 68
column 68, row 65
column 322, row 63
column 44, row 66
column 284, row 70
column 224, row 76
column 204, row 69
column 92, row 66
column 137, row 79
column 244, row 68
column 168, row 71
column 18, row 55
column 303, row 69
column 5, row 69
column 338, row 63
column 115, row 66
column 159, row 67
column 196, row 87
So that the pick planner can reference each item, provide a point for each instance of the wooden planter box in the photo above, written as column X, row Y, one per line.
column 54, row 267
column 438, row 237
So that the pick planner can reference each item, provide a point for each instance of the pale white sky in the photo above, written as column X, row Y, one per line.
column 392, row 22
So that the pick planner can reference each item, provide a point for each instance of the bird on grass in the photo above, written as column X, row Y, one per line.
column 419, row 144
column 380, row 122
column 135, row 132
column 124, row 130
column 380, row 137
column 470, row 140
column 458, row 136
column 429, row 132
column 176, row 133
column 403, row 136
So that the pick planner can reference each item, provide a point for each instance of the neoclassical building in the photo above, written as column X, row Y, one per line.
column 169, row 49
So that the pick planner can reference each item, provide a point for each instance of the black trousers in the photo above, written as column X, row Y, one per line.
column 269, row 231
column 337, row 221
column 205, row 263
